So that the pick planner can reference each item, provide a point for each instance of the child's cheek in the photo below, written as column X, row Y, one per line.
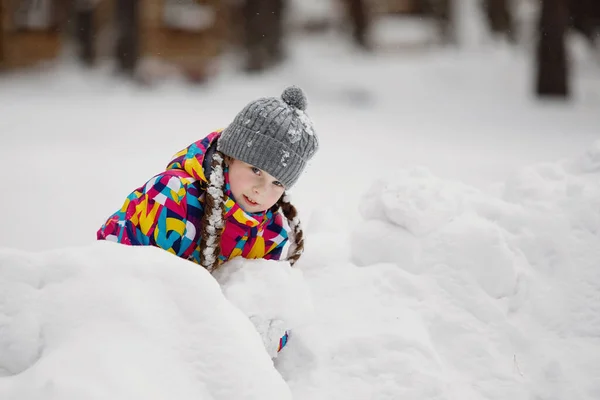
column 243, row 178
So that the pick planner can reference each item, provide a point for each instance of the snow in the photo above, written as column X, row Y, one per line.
column 274, row 297
column 295, row 134
column 285, row 155
column 261, row 287
column 306, row 122
column 451, row 231
column 518, row 273
column 107, row 320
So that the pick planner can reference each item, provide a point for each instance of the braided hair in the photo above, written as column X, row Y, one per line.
column 213, row 223
column 291, row 214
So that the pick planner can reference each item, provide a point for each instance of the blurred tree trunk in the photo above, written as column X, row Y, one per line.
column 582, row 17
column 499, row 17
column 552, row 70
column 84, row 29
column 2, row 56
column 595, row 6
column 263, row 33
column 443, row 12
column 359, row 18
column 127, row 46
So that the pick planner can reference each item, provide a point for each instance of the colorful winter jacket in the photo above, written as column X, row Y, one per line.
column 167, row 212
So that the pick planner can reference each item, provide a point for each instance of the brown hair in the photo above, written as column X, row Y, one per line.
column 213, row 224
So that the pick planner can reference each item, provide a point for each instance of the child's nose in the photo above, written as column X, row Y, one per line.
column 259, row 187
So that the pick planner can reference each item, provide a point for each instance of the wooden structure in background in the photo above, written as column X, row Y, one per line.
column 185, row 34
column 30, row 31
column 397, row 6
column 2, row 23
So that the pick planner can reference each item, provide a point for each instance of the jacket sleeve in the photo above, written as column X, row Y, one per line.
column 157, row 214
column 277, row 252
column 276, row 239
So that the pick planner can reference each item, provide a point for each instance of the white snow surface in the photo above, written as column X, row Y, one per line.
column 498, row 298
column 111, row 321
column 451, row 224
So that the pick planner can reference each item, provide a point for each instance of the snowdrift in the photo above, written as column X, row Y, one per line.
column 111, row 321
column 442, row 291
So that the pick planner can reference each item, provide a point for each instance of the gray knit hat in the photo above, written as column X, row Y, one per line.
column 273, row 134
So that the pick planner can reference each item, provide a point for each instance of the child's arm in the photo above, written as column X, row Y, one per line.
column 157, row 214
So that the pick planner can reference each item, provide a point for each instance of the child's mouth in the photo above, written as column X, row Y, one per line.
column 250, row 201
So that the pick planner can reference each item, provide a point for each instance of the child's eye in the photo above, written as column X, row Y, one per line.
column 277, row 183
column 256, row 170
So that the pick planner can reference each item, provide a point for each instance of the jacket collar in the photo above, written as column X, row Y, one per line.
column 196, row 161
column 232, row 208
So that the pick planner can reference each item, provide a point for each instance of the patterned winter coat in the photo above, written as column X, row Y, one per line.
column 167, row 212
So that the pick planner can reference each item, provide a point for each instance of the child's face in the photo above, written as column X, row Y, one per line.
column 253, row 189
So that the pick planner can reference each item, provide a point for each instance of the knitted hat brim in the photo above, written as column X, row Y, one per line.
column 263, row 152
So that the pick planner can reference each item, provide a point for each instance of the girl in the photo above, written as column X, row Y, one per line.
column 224, row 195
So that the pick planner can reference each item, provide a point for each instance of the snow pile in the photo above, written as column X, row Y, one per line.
column 533, row 222
column 450, row 292
column 367, row 340
column 444, row 292
column 267, row 289
column 271, row 294
column 111, row 321
column 416, row 201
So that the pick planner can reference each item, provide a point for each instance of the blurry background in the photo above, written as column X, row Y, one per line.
column 96, row 95
column 452, row 252
column 149, row 39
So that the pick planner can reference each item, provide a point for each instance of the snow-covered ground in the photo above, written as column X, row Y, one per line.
column 452, row 236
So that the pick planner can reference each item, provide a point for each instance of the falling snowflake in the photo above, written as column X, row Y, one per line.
column 249, row 143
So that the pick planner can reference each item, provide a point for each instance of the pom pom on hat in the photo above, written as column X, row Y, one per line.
column 294, row 97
